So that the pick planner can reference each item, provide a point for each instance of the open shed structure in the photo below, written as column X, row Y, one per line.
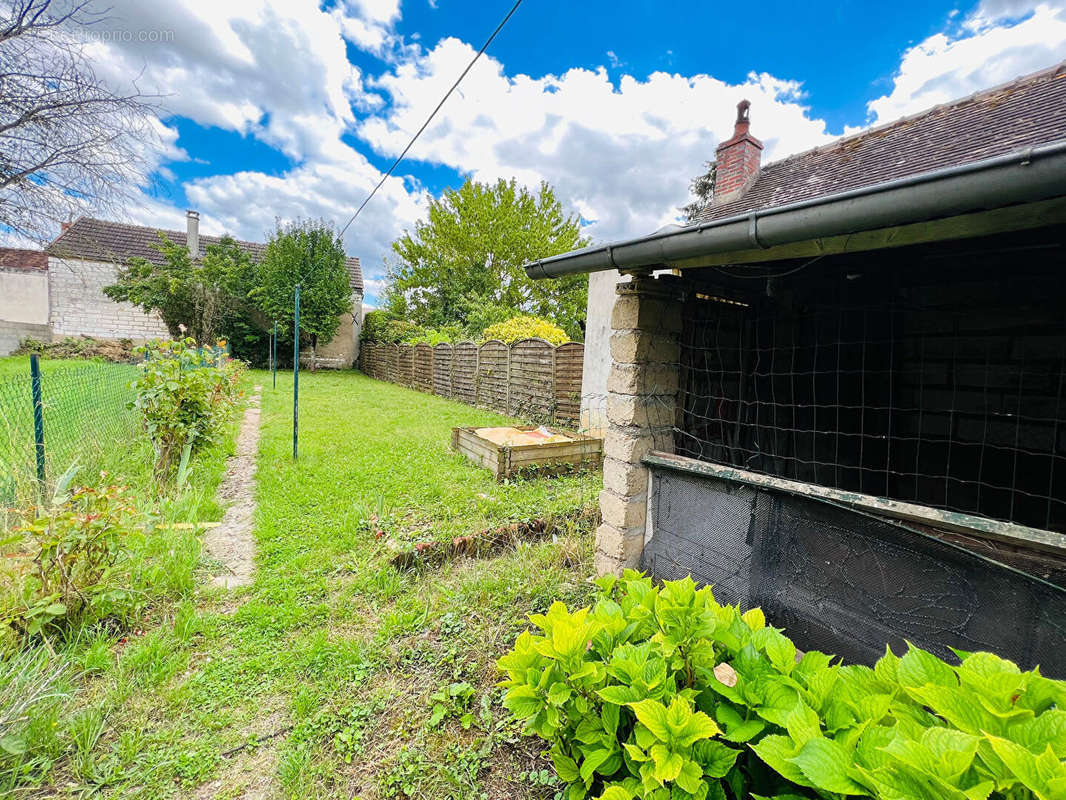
column 840, row 393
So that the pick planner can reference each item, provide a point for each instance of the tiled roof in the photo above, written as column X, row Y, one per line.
column 12, row 258
column 1027, row 112
column 99, row 240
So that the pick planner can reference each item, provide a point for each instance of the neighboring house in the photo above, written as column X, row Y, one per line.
column 87, row 256
column 23, row 297
column 845, row 401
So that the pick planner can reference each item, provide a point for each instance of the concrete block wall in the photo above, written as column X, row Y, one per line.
column 80, row 307
column 641, row 411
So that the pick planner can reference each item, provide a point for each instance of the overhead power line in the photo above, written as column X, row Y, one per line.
column 429, row 119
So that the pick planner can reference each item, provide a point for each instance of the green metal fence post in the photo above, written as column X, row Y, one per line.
column 38, row 416
column 296, row 376
column 274, row 350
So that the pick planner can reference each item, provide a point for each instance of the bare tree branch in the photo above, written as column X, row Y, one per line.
column 70, row 143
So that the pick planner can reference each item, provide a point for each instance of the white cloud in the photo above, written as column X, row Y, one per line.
column 1001, row 40
column 621, row 154
column 276, row 70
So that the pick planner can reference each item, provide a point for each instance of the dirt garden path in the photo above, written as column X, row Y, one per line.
column 232, row 543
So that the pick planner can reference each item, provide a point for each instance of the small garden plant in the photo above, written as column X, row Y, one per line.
column 69, row 563
column 661, row 692
column 184, row 402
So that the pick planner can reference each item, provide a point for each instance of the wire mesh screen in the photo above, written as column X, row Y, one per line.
column 85, row 407
column 845, row 582
column 942, row 387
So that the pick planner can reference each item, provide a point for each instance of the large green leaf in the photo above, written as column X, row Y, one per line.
column 652, row 714
column 593, row 759
column 609, row 716
column 826, row 765
column 918, row 668
column 523, row 702
column 715, row 758
column 565, row 767
column 737, row 729
column 963, row 712
column 697, row 726
column 778, row 752
column 1036, row 772
column 778, row 648
column 13, row 745
column 620, row 695
column 690, row 777
column 1036, row 734
column 668, row 762
column 558, row 694
column 952, row 751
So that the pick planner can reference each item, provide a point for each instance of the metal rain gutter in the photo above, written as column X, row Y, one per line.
column 1035, row 173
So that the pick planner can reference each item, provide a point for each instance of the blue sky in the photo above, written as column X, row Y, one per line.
column 274, row 109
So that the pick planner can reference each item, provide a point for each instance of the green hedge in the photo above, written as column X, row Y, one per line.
column 660, row 692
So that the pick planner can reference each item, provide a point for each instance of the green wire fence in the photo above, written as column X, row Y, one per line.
column 84, row 409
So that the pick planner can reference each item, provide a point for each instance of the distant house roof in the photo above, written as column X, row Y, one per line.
column 100, row 240
column 1027, row 112
column 30, row 260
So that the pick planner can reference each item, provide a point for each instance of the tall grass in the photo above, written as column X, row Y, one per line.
column 50, row 704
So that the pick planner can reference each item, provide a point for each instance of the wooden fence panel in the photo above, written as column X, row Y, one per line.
column 530, row 380
column 442, row 369
column 464, row 373
column 492, row 375
column 365, row 349
column 392, row 363
column 569, row 360
column 532, row 374
column 381, row 363
column 423, row 368
column 405, row 371
column 370, row 359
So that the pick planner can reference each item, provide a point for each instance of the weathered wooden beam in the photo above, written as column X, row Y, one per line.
column 1018, row 535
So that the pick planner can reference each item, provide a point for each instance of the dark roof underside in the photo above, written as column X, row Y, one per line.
column 1028, row 112
column 99, row 240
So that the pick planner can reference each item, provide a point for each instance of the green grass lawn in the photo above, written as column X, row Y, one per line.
column 318, row 680
column 87, row 424
column 20, row 365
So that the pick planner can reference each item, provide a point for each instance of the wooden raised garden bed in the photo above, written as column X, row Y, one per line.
column 511, row 450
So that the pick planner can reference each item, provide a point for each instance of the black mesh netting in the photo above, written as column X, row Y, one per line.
column 846, row 582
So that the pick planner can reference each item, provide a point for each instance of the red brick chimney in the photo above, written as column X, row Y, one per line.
column 64, row 226
column 737, row 160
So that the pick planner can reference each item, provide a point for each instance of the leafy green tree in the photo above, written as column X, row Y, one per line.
column 308, row 253
column 463, row 265
column 205, row 299
column 702, row 188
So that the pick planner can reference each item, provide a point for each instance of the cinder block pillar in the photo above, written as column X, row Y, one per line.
column 641, row 407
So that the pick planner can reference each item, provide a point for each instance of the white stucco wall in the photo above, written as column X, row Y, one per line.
column 24, row 296
column 80, row 307
column 597, row 363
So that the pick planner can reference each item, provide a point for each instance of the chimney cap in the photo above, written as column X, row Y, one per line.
column 742, row 110
column 192, row 214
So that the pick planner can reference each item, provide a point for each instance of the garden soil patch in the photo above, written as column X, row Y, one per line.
column 491, row 541
column 232, row 543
